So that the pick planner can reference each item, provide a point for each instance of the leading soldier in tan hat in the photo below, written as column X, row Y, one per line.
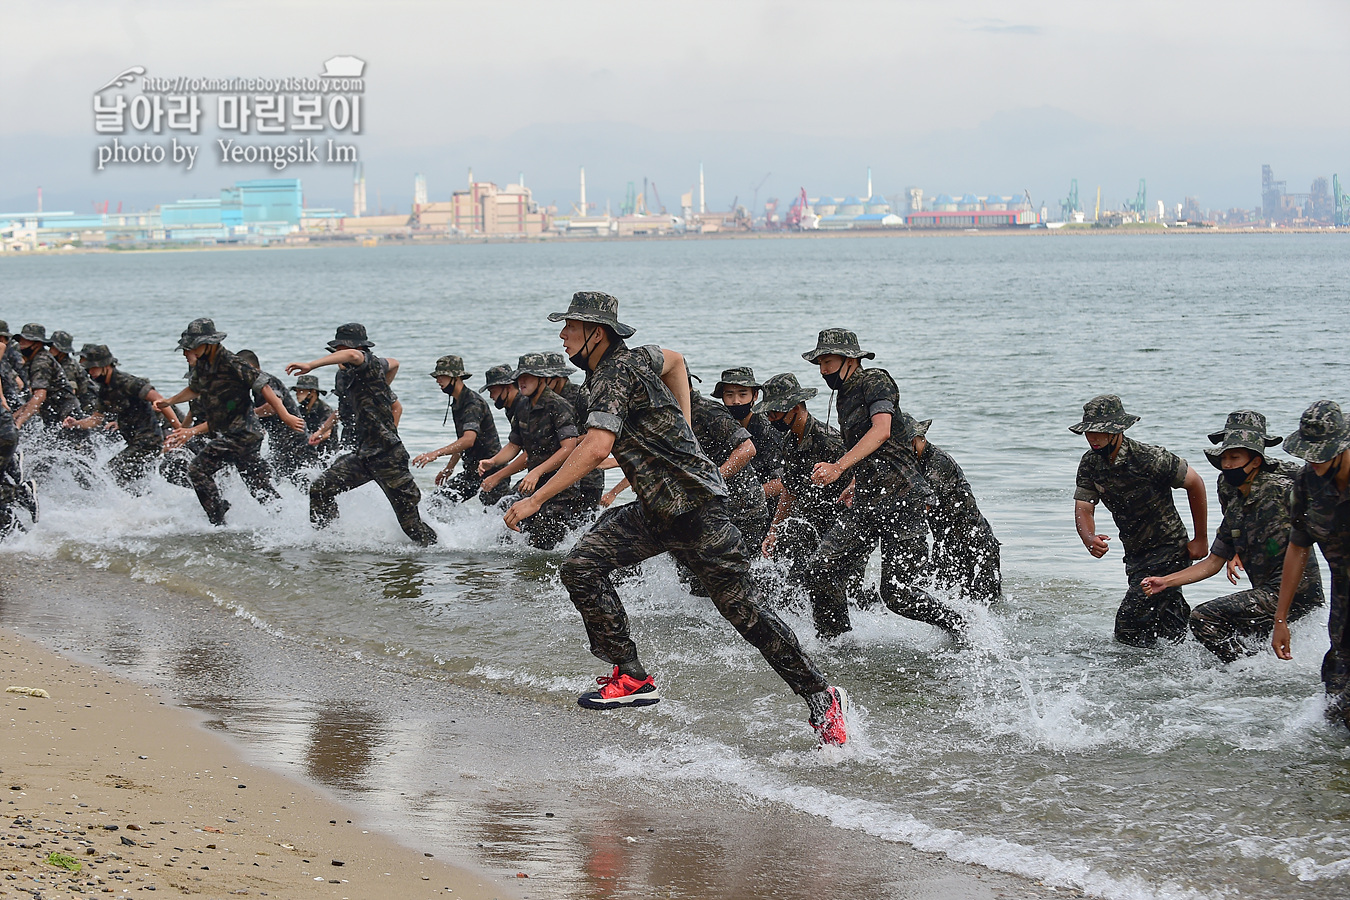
column 1321, row 515
column 1255, row 528
column 1135, row 481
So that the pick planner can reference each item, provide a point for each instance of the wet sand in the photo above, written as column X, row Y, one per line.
column 486, row 780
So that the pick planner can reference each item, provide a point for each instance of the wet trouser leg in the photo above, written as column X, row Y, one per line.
column 546, row 528
column 240, row 451
column 460, row 486
column 707, row 542
column 1141, row 620
column 9, row 443
column 345, row 474
column 1234, row 626
column 133, row 462
column 966, row 557
column 1336, row 663
column 844, row 549
column 752, row 525
column 903, row 557
column 388, row 469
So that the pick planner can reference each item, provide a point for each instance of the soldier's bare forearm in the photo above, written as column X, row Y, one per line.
column 592, row 450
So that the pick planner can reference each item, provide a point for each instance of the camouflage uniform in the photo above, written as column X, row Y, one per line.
column 174, row 466
column 86, row 395
column 43, row 373
column 345, row 427
column 1256, row 529
column 539, row 429
column 315, row 415
column 224, row 389
column 472, row 413
column 719, row 435
column 591, row 486
column 888, row 503
column 287, row 450
column 1137, row 488
column 9, row 477
column 681, row 509
column 965, row 551
column 122, row 398
column 1320, row 515
column 379, row 455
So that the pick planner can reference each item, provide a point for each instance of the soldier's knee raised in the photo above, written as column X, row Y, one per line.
column 576, row 573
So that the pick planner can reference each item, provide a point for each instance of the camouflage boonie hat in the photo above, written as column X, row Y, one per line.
column 452, row 366
column 559, row 364
column 34, row 332
column 782, row 393
column 62, row 341
column 1104, row 413
column 535, row 364
column 198, row 332
column 839, row 342
column 308, row 383
column 4, row 329
column 498, row 376
column 911, row 427
column 96, row 356
column 1322, row 433
column 351, row 336
column 1244, row 420
column 739, row 376
column 1250, row 440
column 597, row 307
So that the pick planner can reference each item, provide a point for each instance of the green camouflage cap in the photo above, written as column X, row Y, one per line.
column 738, row 376
column 1322, row 433
column 782, row 393
column 597, row 307
column 1244, row 420
column 910, row 427
column 498, row 376
column 62, row 341
column 351, row 336
column 4, row 329
column 839, row 342
column 534, row 364
column 96, row 356
column 1239, row 439
column 558, row 362
column 452, row 366
column 34, row 332
column 200, row 331
column 1106, row 414
column 308, row 383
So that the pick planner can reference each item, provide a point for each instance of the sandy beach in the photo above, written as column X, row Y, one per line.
column 186, row 788
column 111, row 789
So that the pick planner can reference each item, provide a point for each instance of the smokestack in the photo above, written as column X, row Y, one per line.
column 869, row 183
column 702, row 206
column 583, row 190
column 39, row 198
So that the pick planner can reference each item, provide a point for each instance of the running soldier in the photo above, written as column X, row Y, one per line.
column 639, row 409
column 50, row 394
column 130, row 403
column 592, row 487
column 316, row 413
column 1321, row 515
column 63, row 350
column 805, row 511
column 224, row 385
column 287, row 448
column 475, row 435
column 965, row 551
column 1256, row 526
column 1135, row 481
column 379, row 455
column 739, row 391
column 11, row 369
column 543, row 435
column 886, row 497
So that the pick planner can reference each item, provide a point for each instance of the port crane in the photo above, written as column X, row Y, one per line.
column 796, row 211
column 1070, row 205
column 1342, row 203
column 1140, row 204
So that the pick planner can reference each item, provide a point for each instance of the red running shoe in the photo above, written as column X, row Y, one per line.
column 833, row 730
column 620, row 690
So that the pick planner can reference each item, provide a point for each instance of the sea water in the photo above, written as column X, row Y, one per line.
column 1037, row 746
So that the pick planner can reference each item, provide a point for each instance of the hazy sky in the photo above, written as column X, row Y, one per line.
column 951, row 96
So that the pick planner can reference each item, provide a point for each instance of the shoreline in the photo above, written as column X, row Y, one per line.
column 502, row 787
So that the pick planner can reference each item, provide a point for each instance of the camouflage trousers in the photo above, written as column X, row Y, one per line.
column 1336, row 663
column 240, row 451
column 1235, row 626
column 388, row 469
column 752, row 523
column 9, row 443
column 707, row 542
column 466, row 483
column 897, row 526
column 1141, row 620
column 966, row 557
column 134, row 461
column 546, row 528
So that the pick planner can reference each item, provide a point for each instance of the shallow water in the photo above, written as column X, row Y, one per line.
column 1042, row 748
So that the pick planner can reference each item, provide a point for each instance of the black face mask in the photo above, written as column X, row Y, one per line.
column 449, row 388
column 500, row 402
column 834, row 379
column 1235, row 477
column 740, row 410
column 1332, row 471
column 781, row 424
column 1105, row 450
column 579, row 359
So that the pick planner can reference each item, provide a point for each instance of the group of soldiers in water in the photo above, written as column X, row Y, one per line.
column 718, row 480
